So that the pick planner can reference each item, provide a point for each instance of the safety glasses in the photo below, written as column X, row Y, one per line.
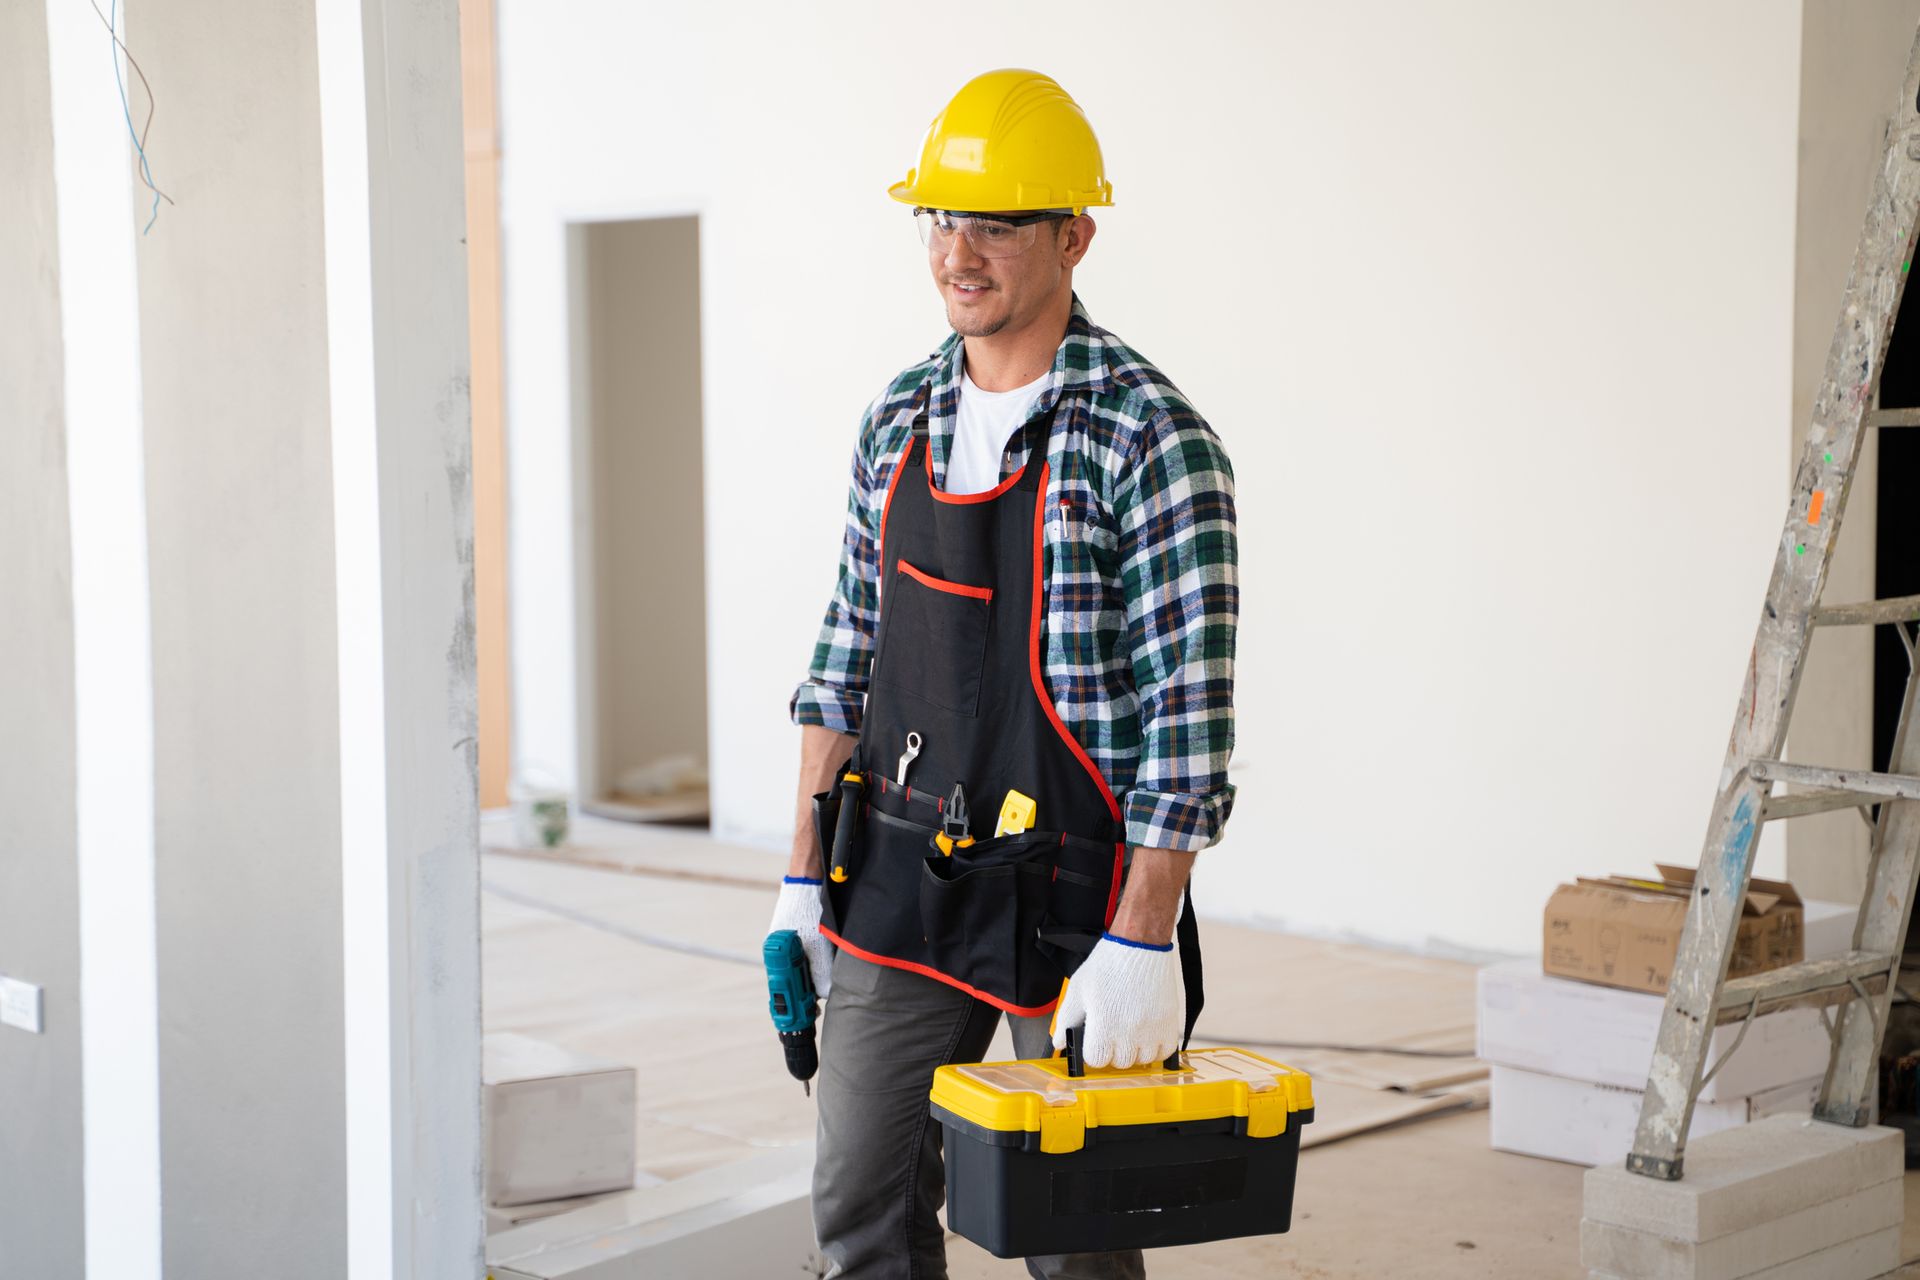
column 1001, row 236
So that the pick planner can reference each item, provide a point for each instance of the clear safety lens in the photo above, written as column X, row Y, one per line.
column 989, row 237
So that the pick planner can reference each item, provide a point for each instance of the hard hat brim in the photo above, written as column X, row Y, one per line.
column 936, row 196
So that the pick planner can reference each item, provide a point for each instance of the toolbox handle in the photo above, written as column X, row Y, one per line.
column 1077, row 1062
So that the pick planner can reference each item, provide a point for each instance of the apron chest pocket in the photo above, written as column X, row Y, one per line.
column 933, row 642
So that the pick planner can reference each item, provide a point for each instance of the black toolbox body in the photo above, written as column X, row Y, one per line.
column 1127, row 1186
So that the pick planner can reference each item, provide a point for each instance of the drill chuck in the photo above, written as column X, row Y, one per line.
column 803, row 1057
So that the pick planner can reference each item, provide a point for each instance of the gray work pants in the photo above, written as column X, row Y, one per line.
column 878, row 1179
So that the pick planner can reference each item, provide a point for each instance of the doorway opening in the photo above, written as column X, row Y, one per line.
column 641, row 524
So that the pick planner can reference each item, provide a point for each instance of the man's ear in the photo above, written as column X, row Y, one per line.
column 1076, row 239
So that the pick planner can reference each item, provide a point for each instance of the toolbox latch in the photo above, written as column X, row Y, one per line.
column 1266, row 1113
column 1062, row 1130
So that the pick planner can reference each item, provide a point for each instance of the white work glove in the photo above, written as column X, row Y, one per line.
column 1131, row 1000
column 798, row 909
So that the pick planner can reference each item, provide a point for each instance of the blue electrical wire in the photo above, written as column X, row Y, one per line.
column 113, row 35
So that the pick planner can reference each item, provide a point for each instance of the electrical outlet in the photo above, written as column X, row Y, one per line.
column 20, row 1004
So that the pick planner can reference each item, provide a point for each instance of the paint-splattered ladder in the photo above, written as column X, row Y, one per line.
column 1860, row 983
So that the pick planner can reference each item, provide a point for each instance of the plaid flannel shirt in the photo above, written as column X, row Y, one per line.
column 1141, row 594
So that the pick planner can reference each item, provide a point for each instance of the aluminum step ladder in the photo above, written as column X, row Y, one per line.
column 1860, row 983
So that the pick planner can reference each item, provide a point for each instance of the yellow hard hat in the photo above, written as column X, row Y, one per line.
column 1010, row 140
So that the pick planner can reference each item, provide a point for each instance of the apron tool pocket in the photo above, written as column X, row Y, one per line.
column 826, row 813
column 980, row 921
column 934, row 642
column 875, row 907
column 826, row 816
column 1077, row 899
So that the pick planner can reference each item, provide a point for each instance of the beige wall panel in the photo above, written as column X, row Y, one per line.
column 489, row 443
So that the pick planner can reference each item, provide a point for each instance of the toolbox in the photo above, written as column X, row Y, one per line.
column 1040, row 1161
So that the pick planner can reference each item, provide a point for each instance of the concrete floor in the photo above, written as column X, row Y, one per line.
column 573, row 955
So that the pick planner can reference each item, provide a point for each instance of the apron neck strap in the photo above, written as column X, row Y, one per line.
column 1037, row 432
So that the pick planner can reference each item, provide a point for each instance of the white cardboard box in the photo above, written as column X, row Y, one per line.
column 1592, row 1124
column 557, row 1124
column 1829, row 928
column 1604, row 1035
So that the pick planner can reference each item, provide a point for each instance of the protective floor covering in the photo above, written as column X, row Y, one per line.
column 583, row 948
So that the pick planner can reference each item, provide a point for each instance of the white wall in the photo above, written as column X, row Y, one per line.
column 245, row 649
column 42, row 1174
column 245, row 720
column 1491, row 303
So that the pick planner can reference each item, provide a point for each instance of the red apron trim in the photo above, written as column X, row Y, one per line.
column 943, row 584
column 1119, row 869
column 880, row 546
column 988, row 496
column 911, row 967
column 1033, row 657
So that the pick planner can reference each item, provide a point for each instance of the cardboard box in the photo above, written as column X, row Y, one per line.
column 1624, row 932
column 557, row 1124
column 1581, row 1122
column 1583, row 1031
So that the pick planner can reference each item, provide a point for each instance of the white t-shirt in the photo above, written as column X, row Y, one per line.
column 988, row 420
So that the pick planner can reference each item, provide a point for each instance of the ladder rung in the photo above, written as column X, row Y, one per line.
column 1868, row 612
column 1897, row 786
column 1828, row 980
column 1801, row 804
column 1893, row 418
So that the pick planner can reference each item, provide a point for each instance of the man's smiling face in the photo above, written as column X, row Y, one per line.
column 985, row 295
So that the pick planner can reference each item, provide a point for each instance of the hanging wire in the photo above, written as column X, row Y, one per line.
column 139, row 137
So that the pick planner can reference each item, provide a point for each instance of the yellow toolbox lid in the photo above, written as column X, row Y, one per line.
column 1038, row 1096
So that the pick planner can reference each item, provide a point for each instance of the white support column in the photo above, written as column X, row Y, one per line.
column 113, row 659
column 375, row 1237
column 403, row 539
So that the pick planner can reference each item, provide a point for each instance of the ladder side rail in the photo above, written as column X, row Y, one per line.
column 1893, row 876
column 1801, row 560
column 1699, row 972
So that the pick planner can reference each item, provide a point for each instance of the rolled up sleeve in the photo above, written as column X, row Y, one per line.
column 834, row 694
column 1179, row 555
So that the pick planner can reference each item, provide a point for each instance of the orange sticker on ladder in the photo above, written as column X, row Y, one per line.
column 1814, row 507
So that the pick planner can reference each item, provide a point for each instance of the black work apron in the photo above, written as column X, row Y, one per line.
column 958, row 662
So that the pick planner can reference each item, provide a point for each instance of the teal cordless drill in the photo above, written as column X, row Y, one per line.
column 791, row 998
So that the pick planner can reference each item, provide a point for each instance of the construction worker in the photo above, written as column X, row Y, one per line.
column 1035, row 613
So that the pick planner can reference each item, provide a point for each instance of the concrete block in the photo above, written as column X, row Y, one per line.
column 557, row 1124
column 753, row 1217
column 1742, row 1177
column 1627, row 1252
column 1864, row 1258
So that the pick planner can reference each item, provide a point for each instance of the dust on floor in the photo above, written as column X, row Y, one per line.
column 642, row 945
